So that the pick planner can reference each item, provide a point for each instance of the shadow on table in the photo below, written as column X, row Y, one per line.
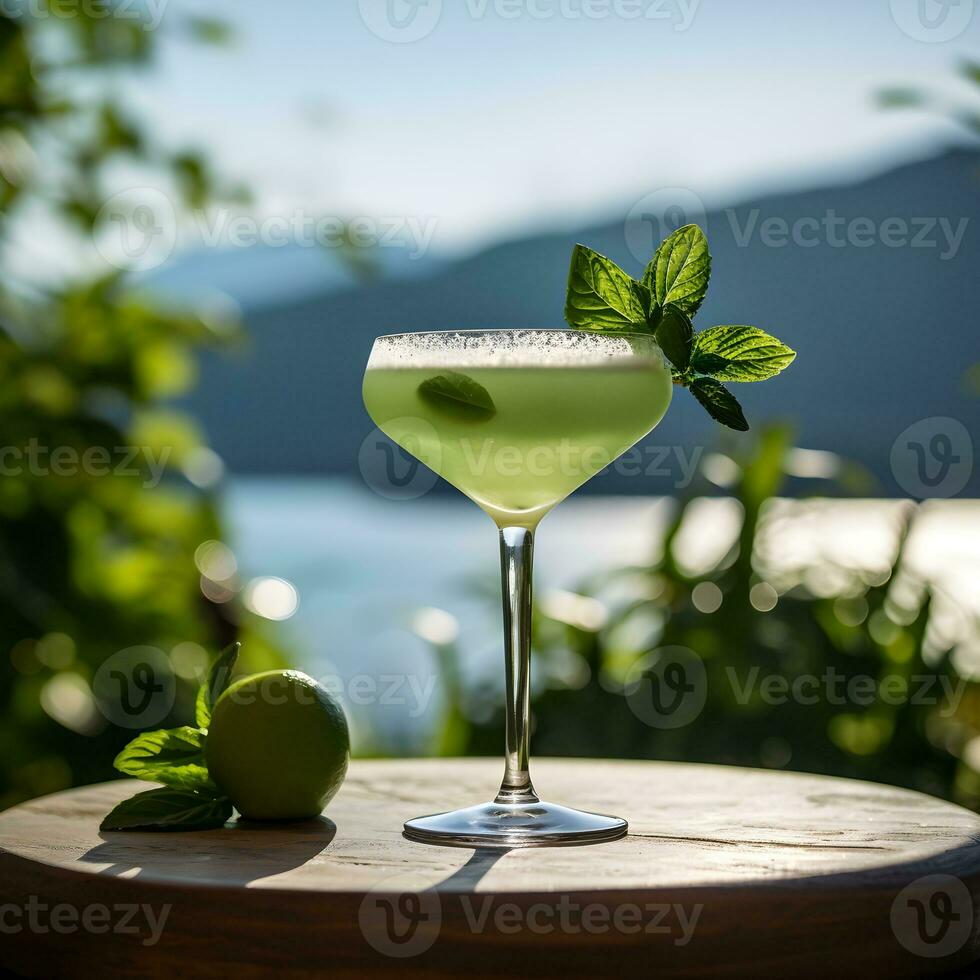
column 239, row 853
column 467, row 877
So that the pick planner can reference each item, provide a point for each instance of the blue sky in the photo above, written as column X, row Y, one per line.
column 512, row 114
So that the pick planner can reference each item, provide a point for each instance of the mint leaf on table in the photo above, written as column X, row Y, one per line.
column 719, row 403
column 601, row 296
column 740, row 353
column 674, row 333
column 189, row 799
column 457, row 394
column 174, row 757
column 219, row 677
column 169, row 809
column 680, row 270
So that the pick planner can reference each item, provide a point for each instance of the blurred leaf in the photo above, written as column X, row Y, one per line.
column 900, row 98
column 970, row 70
column 210, row 30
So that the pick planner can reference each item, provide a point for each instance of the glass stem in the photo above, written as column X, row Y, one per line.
column 516, row 557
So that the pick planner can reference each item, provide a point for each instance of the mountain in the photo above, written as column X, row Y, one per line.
column 875, row 285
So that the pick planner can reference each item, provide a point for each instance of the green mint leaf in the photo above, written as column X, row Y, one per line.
column 646, row 302
column 601, row 296
column 740, row 353
column 680, row 270
column 707, row 363
column 456, row 394
column 719, row 403
column 174, row 757
column 219, row 677
column 674, row 333
column 169, row 809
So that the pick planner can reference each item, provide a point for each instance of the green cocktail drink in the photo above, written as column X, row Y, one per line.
column 518, row 429
column 517, row 419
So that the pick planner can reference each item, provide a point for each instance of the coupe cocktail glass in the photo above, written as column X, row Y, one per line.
column 517, row 420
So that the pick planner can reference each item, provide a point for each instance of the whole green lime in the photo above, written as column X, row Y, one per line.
column 278, row 745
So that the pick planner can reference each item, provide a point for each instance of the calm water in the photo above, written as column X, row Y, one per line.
column 364, row 566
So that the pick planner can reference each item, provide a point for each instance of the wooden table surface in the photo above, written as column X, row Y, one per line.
column 725, row 872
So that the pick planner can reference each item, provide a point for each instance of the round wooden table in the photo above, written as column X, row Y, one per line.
column 725, row 872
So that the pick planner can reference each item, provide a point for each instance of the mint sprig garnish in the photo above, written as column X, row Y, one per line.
column 601, row 296
column 189, row 799
column 458, row 395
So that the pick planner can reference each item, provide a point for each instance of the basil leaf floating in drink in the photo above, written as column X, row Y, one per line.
column 601, row 296
column 452, row 393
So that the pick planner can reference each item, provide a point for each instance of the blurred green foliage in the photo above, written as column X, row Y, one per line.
column 964, row 111
column 866, row 627
column 97, row 543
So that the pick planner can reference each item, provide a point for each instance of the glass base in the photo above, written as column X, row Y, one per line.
column 530, row 824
